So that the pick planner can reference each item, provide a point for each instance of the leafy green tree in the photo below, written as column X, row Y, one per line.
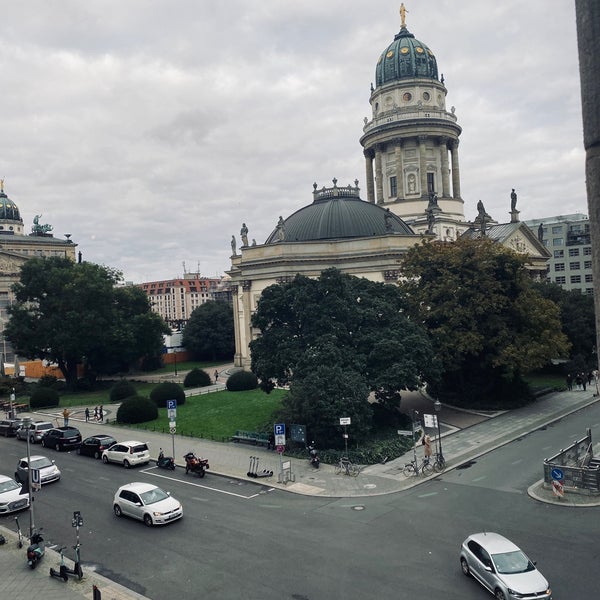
column 209, row 333
column 73, row 313
column 487, row 322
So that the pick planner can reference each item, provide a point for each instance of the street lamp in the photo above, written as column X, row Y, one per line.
column 438, row 408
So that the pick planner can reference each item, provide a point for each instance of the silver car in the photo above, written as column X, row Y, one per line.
column 34, row 431
column 146, row 502
column 48, row 470
column 502, row 568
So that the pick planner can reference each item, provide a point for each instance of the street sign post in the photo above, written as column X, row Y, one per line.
column 36, row 482
column 172, row 413
column 558, row 488
column 345, row 421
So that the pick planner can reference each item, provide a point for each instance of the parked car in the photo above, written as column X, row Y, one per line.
column 146, row 502
column 502, row 568
column 48, row 470
column 62, row 438
column 9, row 427
column 95, row 445
column 11, row 498
column 34, row 431
column 127, row 454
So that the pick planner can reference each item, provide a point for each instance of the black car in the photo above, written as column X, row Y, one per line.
column 62, row 438
column 9, row 427
column 95, row 445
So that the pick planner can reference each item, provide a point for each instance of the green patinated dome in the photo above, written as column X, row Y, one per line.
column 406, row 57
column 8, row 209
column 335, row 213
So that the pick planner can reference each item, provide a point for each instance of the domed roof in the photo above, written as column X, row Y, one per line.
column 335, row 213
column 8, row 209
column 406, row 57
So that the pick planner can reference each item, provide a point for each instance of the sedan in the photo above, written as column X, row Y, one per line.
column 502, row 568
column 95, row 445
column 48, row 470
column 11, row 498
column 146, row 502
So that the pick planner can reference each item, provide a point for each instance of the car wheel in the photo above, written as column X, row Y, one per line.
column 43, row 443
column 105, row 459
column 464, row 566
column 126, row 464
column 78, row 451
column 117, row 510
column 31, row 439
column 148, row 523
column 499, row 594
column 96, row 455
column 57, row 447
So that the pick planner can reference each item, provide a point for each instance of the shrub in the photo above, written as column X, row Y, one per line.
column 47, row 381
column 242, row 380
column 167, row 391
column 121, row 390
column 196, row 378
column 136, row 409
column 44, row 397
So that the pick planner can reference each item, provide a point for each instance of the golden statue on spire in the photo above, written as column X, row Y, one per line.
column 2, row 185
column 403, row 12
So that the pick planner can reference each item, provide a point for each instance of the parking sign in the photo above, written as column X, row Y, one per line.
column 279, row 429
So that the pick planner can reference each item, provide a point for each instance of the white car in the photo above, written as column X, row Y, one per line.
column 10, row 497
column 502, row 568
column 146, row 502
column 127, row 454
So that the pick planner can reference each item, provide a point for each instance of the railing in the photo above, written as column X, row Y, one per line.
column 395, row 117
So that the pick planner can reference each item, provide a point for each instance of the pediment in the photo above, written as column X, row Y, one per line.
column 10, row 264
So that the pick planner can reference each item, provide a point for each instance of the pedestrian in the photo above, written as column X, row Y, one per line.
column 216, row 375
column 95, row 413
column 271, row 443
column 584, row 381
column 87, row 414
column 101, row 414
column 66, row 414
column 426, row 441
column 569, row 382
column 578, row 381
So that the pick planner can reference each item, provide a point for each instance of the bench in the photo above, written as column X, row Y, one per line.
column 251, row 437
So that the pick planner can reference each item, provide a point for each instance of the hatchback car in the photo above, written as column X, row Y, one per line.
column 95, row 445
column 9, row 427
column 127, row 454
column 11, row 498
column 34, row 431
column 146, row 502
column 502, row 568
column 48, row 470
column 62, row 438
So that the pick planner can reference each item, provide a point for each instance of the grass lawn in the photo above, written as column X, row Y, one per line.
column 546, row 380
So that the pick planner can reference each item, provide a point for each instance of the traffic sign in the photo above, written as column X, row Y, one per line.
column 279, row 429
column 172, row 413
column 345, row 421
column 280, row 449
column 36, row 482
column 430, row 420
column 172, row 404
column 172, row 425
column 172, row 429
column 557, row 474
column 558, row 488
column 280, row 440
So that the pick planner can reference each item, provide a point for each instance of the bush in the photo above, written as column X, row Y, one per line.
column 196, row 378
column 47, row 381
column 44, row 397
column 121, row 390
column 242, row 380
column 167, row 391
column 136, row 409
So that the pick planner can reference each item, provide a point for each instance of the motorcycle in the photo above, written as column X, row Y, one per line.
column 195, row 465
column 36, row 549
column 165, row 462
column 314, row 459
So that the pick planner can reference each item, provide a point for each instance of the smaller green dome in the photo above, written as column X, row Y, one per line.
column 8, row 209
column 406, row 57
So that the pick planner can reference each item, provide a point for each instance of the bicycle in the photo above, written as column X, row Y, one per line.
column 416, row 468
column 439, row 462
column 347, row 467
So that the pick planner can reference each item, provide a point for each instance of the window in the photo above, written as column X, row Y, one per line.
column 575, row 279
column 589, row 278
column 587, row 251
column 560, row 280
column 393, row 186
column 589, row 291
column 557, row 242
column 430, row 183
column 587, row 264
column 573, row 251
column 559, row 253
column 557, row 229
column 574, row 266
column 559, row 267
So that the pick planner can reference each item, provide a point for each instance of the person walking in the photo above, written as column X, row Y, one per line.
column 569, row 382
column 101, row 414
column 216, row 375
column 95, row 413
column 87, row 414
column 66, row 414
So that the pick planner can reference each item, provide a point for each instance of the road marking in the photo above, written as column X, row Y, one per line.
column 480, row 478
column 205, row 487
column 516, row 462
column 426, row 495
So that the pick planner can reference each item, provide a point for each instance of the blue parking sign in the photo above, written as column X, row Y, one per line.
column 279, row 429
column 171, row 404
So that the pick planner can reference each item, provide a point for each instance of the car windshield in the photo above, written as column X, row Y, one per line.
column 7, row 486
column 509, row 563
column 71, row 433
column 140, row 448
column 44, row 426
column 152, row 496
column 40, row 463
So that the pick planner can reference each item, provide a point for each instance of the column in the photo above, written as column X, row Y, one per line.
column 445, row 169
column 237, row 358
column 423, row 164
column 399, row 170
column 455, row 171
column 379, row 176
column 370, row 183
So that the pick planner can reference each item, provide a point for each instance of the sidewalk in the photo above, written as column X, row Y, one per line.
column 465, row 436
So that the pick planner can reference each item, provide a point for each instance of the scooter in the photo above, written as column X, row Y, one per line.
column 36, row 549
column 315, row 461
column 64, row 571
column 165, row 462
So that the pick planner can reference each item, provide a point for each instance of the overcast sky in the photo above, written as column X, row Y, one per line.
column 151, row 129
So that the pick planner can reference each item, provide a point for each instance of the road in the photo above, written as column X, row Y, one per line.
column 245, row 540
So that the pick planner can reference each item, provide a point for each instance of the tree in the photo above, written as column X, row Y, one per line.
column 348, row 327
column 73, row 313
column 209, row 333
column 487, row 322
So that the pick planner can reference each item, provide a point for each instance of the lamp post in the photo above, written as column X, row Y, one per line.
column 438, row 408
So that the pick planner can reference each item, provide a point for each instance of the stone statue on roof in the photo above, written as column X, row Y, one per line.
column 513, row 200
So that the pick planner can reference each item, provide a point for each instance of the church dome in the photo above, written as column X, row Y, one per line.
column 406, row 57
column 8, row 209
column 337, row 212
